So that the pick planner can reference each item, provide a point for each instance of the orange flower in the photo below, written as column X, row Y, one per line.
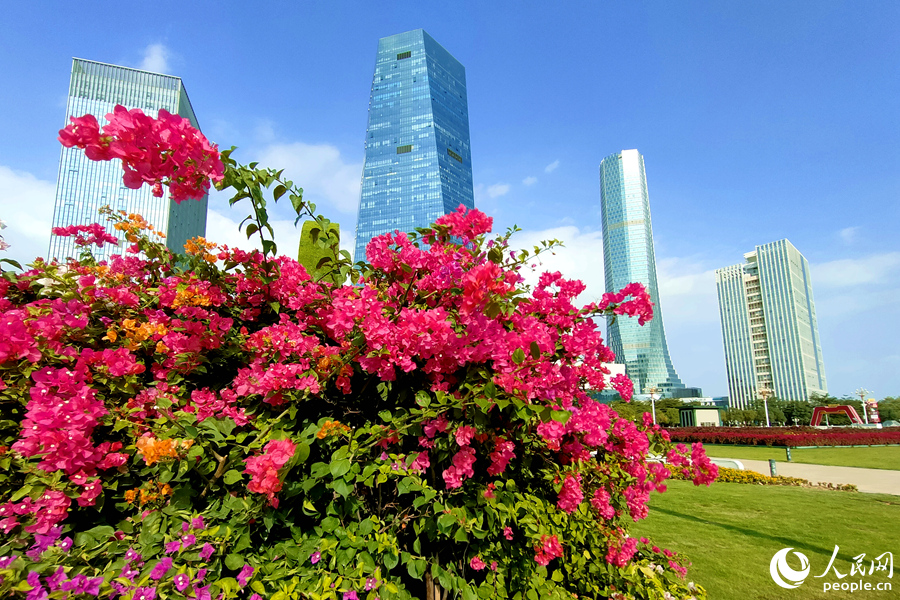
column 130, row 496
column 332, row 428
column 154, row 450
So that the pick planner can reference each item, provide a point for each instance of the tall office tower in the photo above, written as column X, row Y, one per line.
column 769, row 326
column 628, row 257
column 84, row 185
column 418, row 161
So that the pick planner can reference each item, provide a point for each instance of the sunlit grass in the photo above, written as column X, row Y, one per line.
column 877, row 457
column 731, row 531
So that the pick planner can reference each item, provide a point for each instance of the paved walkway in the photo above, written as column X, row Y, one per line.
column 880, row 481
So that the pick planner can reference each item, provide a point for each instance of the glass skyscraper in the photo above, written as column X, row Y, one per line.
column 418, row 161
column 83, row 185
column 628, row 257
column 769, row 326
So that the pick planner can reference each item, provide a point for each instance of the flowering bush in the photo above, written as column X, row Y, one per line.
column 221, row 424
column 785, row 436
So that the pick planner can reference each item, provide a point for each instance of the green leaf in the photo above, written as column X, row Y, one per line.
column 302, row 453
column 340, row 467
column 423, row 399
column 340, row 486
column 386, row 416
column 279, row 191
column 390, row 560
column 232, row 476
column 561, row 416
column 535, row 351
column 518, row 356
column 234, row 561
column 329, row 524
column 416, row 568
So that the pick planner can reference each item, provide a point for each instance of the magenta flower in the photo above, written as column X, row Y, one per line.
column 7, row 560
column 197, row 523
column 132, row 555
column 351, row 595
column 201, row 575
column 174, row 546
column 245, row 575
column 371, row 583
column 181, row 581
column 315, row 556
column 145, row 593
column 256, row 597
column 206, row 551
column 476, row 563
column 161, row 568
column 65, row 544
column 188, row 540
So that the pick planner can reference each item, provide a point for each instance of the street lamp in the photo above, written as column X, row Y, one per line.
column 654, row 394
column 764, row 394
column 862, row 393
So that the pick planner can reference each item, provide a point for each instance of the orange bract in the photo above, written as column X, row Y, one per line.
column 332, row 428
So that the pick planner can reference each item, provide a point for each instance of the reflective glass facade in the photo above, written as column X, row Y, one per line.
column 83, row 186
column 628, row 257
column 769, row 326
column 418, row 161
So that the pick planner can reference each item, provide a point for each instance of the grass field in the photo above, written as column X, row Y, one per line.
column 731, row 531
column 879, row 457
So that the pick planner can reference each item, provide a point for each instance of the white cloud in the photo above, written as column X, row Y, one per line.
column 497, row 190
column 848, row 234
column 326, row 178
column 581, row 257
column 156, row 59
column 851, row 272
column 27, row 212
column 552, row 166
column 530, row 180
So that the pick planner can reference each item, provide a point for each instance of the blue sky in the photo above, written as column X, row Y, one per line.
column 757, row 121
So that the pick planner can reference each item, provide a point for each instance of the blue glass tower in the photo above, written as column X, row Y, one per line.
column 628, row 257
column 418, row 162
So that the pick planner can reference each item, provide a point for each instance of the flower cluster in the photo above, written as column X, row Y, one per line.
column 85, row 235
column 166, row 150
column 264, row 468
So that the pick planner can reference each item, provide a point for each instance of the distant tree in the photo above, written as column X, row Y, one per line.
column 889, row 409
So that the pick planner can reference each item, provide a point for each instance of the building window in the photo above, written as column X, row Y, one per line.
column 404, row 149
column 403, row 55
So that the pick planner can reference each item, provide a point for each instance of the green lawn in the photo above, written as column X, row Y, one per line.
column 879, row 457
column 730, row 532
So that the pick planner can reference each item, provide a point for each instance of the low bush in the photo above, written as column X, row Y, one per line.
column 785, row 436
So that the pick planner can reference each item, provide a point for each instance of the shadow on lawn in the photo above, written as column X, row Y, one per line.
column 786, row 542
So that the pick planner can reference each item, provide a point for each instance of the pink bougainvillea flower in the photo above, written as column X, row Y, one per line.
column 264, row 468
column 245, row 574
column 207, row 551
column 315, row 556
column 548, row 549
column 181, row 581
column 165, row 150
column 476, row 563
column 161, row 568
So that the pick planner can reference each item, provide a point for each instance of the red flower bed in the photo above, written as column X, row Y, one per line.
column 785, row 436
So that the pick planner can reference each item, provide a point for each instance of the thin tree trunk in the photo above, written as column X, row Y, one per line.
column 429, row 586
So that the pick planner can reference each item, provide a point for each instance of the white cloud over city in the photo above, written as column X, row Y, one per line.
column 156, row 59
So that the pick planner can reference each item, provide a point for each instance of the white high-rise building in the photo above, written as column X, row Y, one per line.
column 769, row 326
